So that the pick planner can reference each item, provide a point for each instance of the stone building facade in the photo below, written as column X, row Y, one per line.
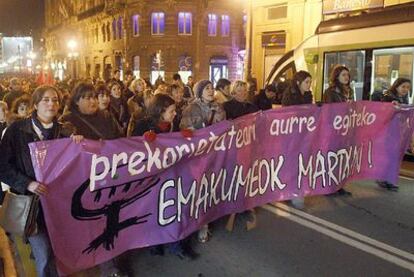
column 91, row 38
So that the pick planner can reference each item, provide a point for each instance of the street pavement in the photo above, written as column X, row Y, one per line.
column 370, row 233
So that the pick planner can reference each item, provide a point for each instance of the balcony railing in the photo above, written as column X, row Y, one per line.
column 91, row 12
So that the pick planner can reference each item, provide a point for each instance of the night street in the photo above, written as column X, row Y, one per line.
column 133, row 131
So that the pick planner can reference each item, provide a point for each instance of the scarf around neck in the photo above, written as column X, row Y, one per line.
column 47, row 133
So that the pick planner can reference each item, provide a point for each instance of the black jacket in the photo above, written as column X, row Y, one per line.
column 3, row 125
column 119, row 109
column 101, row 125
column 262, row 102
column 16, row 169
column 294, row 97
column 390, row 97
column 335, row 95
column 235, row 109
column 128, row 94
column 147, row 124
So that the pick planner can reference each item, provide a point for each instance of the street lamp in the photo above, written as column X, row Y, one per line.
column 72, row 45
column 73, row 55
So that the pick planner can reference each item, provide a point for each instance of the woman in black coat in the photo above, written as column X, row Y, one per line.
column 86, row 118
column 118, row 106
column 398, row 94
column 160, row 117
column 90, row 122
column 16, row 169
column 339, row 89
column 239, row 105
column 266, row 98
column 298, row 92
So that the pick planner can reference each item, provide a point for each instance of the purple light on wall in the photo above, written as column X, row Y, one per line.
column 135, row 25
column 225, row 25
column 212, row 24
column 188, row 23
column 181, row 19
column 161, row 23
column 114, row 29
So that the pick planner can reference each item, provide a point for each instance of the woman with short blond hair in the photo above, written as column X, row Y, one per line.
column 239, row 105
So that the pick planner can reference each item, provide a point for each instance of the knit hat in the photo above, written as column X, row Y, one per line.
column 199, row 87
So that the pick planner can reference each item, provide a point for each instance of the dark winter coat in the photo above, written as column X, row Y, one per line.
column 16, row 169
column 3, row 125
column 335, row 95
column 179, row 108
column 377, row 96
column 235, row 109
column 101, row 125
column 148, row 124
column 294, row 97
column 262, row 102
column 119, row 109
column 188, row 93
column 390, row 97
column 128, row 93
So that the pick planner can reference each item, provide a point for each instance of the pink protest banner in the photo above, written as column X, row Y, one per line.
column 106, row 197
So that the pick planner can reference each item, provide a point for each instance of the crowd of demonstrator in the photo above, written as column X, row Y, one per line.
column 113, row 109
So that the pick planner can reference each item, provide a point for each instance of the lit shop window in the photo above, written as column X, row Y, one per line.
column 157, row 67
column 184, row 23
column 157, row 23
column 225, row 25
column 185, row 64
column 120, row 28
column 135, row 25
column 212, row 25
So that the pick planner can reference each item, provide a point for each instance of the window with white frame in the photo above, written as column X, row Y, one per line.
column 185, row 23
column 157, row 23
